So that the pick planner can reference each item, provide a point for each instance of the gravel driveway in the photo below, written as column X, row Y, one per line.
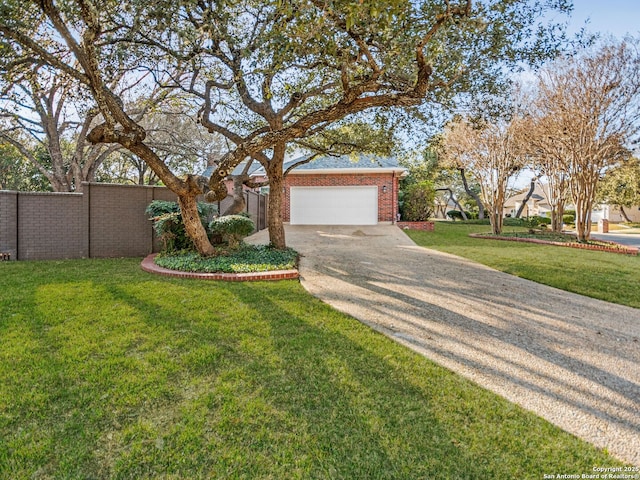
column 572, row 360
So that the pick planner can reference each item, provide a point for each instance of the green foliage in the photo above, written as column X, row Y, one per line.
column 533, row 222
column 171, row 232
column 418, row 202
column 232, row 228
column 160, row 207
column 568, row 219
column 16, row 173
column 167, row 223
column 457, row 215
column 621, row 185
column 246, row 258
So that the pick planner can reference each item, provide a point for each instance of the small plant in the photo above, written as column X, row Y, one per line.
column 456, row 215
column 167, row 223
column 568, row 219
column 232, row 228
column 417, row 205
column 246, row 258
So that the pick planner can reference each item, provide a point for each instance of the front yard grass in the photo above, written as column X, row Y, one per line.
column 110, row 372
column 607, row 276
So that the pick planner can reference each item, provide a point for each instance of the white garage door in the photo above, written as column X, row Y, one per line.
column 334, row 205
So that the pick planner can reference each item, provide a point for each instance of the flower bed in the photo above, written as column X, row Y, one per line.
column 593, row 245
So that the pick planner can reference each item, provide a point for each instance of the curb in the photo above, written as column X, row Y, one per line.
column 148, row 265
column 615, row 248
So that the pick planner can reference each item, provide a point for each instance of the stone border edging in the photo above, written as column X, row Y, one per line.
column 148, row 265
column 614, row 249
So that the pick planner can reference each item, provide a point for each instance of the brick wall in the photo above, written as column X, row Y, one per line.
column 103, row 221
column 387, row 201
column 51, row 226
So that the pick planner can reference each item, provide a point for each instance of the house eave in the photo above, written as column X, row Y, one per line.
column 349, row 171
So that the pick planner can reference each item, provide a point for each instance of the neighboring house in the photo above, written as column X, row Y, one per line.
column 613, row 214
column 341, row 190
column 536, row 205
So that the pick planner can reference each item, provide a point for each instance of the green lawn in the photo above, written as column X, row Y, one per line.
column 110, row 372
column 607, row 276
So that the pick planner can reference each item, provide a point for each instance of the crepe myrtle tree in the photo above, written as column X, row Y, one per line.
column 587, row 114
column 492, row 153
column 267, row 73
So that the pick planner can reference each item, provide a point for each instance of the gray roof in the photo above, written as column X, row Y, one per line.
column 323, row 162
column 236, row 171
column 342, row 162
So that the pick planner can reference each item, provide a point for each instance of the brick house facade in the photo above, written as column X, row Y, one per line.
column 338, row 190
column 387, row 183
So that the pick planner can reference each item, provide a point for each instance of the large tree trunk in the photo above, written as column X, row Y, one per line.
column 557, row 215
column 275, row 173
column 193, row 225
column 274, row 221
column 583, row 219
column 526, row 199
column 472, row 194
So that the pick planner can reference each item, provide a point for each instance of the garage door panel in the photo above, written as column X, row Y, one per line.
column 334, row 205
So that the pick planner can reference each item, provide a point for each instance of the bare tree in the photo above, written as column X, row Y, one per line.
column 585, row 118
column 492, row 153
column 43, row 112
column 550, row 160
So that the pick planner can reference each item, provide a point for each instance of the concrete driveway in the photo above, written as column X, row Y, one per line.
column 573, row 360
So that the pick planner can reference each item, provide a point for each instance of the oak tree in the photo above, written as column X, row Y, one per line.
column 268, row 73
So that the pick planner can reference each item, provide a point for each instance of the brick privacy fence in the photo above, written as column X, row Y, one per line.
column 106, row 220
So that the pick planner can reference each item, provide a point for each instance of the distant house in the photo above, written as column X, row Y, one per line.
column 614, row 215
column 536, row 205
column 342, row 190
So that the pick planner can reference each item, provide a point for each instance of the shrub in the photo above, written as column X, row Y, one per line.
column 167, row 223
column 418, row 201
column 514, row 222
column 171, row 232
column 160, row 207
column 568, row 218
column 232, row 228
column 454, row 215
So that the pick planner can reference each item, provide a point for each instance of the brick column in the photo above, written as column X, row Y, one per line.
column 9, row 223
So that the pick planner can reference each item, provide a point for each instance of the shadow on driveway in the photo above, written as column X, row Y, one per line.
column 571, row 359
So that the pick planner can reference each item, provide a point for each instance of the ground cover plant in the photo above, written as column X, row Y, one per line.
column 607, row 276
column 245, row 258
column 110, row 372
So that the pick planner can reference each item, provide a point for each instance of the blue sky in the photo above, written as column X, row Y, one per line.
column 615, row 17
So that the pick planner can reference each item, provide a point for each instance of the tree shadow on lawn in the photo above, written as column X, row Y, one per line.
column 198, row 379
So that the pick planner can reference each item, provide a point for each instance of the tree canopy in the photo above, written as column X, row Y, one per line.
column 267, row 73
